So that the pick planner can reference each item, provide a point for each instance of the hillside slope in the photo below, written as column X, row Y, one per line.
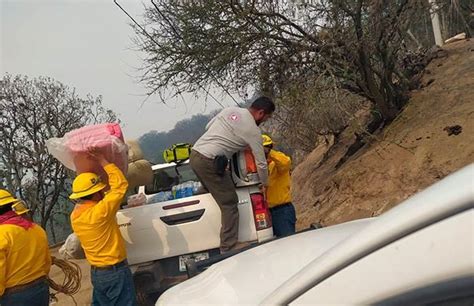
column 432, row 137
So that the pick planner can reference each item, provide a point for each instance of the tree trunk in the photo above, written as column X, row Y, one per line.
column 370, row 86
column 53, row 233
column 382, row 104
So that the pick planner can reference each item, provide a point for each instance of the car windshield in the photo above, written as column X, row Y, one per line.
column 165, row 178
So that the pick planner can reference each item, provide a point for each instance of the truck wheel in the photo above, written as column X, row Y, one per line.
column 143, row 298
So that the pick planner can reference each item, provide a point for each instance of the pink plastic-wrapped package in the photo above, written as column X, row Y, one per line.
column 71, row 150
column 93, row 135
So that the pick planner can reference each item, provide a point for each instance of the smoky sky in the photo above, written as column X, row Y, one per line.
column 87, row 45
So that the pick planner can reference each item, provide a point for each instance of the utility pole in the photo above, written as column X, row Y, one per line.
column 435, row 22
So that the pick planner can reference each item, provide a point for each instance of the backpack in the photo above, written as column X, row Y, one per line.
column 178, row 153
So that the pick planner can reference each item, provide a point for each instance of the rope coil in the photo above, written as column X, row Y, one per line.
column 71, row 283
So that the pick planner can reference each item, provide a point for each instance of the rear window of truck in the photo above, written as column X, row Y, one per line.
column 165, row 178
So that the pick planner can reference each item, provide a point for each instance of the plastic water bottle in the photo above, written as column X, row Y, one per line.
column 168, row 195
column 198, row 188
column 179, row 191
column 157, row 198
column 183, row 190
column 188, row 189
column 195, row 187
column 161, row 196
column 174, row 191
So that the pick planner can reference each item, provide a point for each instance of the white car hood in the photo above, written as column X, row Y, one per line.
column 247, row 278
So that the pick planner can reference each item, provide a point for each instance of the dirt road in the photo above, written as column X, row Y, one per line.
column 84, row 296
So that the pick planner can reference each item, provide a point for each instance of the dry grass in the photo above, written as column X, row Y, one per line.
column 411, row 154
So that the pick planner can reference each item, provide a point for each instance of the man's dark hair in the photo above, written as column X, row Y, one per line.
column 264, row 103
column 88, row 197
column 5, row 208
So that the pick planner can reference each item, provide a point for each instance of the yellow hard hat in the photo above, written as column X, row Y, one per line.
column 267, row 141
column 6, row 197
column 86, row 184
column 18, row 206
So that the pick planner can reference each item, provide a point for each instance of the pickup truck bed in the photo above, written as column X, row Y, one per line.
column 161, row 236
column 181, row 226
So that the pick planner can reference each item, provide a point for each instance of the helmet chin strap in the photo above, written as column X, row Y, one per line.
column 20, row 208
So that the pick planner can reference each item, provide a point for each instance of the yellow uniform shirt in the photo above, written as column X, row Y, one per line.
column 96, row 226
column 279, row 181
column 24, row 255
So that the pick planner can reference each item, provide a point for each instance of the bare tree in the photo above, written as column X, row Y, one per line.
column 357, row 44
column 456, row 16
column 307, row 111
column 32, row 111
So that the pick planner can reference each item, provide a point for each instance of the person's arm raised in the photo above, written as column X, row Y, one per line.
column 110, row 204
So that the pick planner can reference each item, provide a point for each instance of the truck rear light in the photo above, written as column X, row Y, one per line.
column 250, row 161
column 260, row 212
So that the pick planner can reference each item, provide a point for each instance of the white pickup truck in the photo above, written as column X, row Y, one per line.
column 161, row 236
column 419, row 253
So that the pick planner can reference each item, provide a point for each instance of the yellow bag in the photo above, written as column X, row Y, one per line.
column 178, row 153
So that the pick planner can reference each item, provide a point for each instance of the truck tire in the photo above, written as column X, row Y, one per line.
column 143, row 298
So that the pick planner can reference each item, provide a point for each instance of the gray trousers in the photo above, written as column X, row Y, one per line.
column 223, row 190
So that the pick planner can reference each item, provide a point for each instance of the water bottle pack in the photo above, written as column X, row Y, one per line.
column 179, row 191
column 186, row 189
column 161, row 196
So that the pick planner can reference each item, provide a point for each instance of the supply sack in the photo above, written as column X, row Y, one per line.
column 177, row 153
column 134, row 151
column 72, row 149
column 139, row 173
column 72, row 248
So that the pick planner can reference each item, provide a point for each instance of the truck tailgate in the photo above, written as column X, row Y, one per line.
column 178, row 227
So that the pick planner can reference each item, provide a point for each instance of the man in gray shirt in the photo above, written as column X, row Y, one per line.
column 232, row 130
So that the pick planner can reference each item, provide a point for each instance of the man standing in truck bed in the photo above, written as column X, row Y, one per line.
column 232, row 130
